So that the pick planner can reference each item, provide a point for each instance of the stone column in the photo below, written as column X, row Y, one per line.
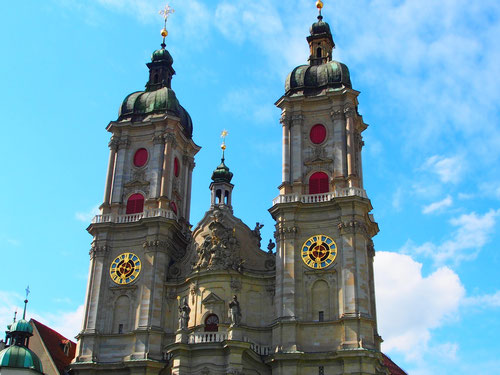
column 185, row 184
column 156, row 164
column 188, row 195
column 296, row 149
column 123, row 146
column 113, row 146
column 349, row 114
column 339, row 147
column 166, row 178
column 286, row 151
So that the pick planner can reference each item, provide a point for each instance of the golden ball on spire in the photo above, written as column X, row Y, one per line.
column 164, row 33
column 319, row 4
column 223, row 146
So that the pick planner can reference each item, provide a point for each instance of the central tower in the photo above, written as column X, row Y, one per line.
column 325, row 299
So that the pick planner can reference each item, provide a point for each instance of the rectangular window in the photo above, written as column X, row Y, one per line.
column 321, row 370
column 321, row 316
column 120, row 328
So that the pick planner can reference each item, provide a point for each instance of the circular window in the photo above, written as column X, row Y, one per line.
column 318, row 134
column 176, row 167
column 141, row 157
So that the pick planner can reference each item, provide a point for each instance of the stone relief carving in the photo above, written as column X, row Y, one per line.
column 219, row 250
column 235, row 285
column 370, row 248
column 349, row 111
column 337, row 114
column 158, row 139
column 98, row 250
column 352, row 227
column 284, row 232
column 170, row 139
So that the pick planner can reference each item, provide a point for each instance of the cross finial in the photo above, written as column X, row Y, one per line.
column 223, row 135
column 27, row 291
column 26, row 301
column 165, row 13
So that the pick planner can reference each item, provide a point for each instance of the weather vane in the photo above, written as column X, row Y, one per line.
column 165, row 13
column 223, row 135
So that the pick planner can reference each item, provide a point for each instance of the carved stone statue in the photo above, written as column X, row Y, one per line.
column 270, row 246
column 184, row 311
column 235, row 312
column 256, row 231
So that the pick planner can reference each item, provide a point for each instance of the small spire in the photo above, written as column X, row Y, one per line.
column 223, row 135
column 319, row 5
column 15, row 316
column 26, row 301
column 165, row 13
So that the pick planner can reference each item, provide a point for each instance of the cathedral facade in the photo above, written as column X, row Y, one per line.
column 166, row 298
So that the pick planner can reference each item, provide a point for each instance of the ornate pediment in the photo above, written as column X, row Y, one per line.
column 212, row 299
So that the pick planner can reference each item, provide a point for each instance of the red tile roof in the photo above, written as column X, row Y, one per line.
column 55, row 343
column 393, row 368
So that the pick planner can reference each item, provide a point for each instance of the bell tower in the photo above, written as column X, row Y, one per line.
column 142, row 230
column 326, row 319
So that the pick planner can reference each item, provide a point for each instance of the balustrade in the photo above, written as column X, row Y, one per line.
column 318, row 198
column 132, row 218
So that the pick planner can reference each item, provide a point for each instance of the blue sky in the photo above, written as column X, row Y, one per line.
column 429, row 77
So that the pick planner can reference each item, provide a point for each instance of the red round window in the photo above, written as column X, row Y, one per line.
column 141, row 157
column 176, row 167
column 318, row 134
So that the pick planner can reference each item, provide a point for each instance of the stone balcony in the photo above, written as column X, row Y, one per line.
column 214, row 337
column 323, row 197
column 120, row 219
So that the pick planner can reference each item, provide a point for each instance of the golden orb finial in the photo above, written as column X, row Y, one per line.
column 165, row 13
column 319, row 4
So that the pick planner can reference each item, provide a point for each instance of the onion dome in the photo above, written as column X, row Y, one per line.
column 21, row 326
column 222, row 173
column 307, row 77
column 158, row 98
column 320, row 27
column 20, row 357
column 322, row 72
column 162, row 55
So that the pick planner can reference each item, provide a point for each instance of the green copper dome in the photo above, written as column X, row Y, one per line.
column 158, row 98
column 320, row 27
column 20, row 357
column 222, row 173
column 162, row 55
column 309, row 77
column 21, row 326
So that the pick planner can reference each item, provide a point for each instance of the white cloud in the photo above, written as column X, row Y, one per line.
column 407, row 312
column 396, row 199
column 436, row 206
column 472, row 233
column 248, row 102
column 448, row 169
column 67, row 323
column 484, row 301
column 86, row 217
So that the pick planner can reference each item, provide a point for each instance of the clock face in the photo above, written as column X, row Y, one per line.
column 125, row 268
column 319, row 251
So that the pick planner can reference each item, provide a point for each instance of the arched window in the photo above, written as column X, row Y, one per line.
column 135, row 204
column 318, row 52
column 173, row 206
column 212, row 323
column 318, row 183
column 155, row 79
